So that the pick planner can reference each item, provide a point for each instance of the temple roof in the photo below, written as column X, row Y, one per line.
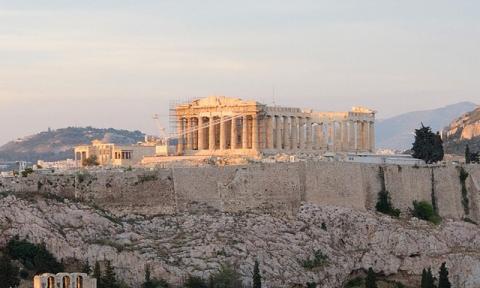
column 219, row 101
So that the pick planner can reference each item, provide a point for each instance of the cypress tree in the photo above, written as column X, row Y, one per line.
column 427, row 279
column 467, row 155
column 148, row 280
column 109, row 280
column 371, row 280
column 86, row 268
column 443, row 281
column 97, row 274
column 257, row 278
column 8, row 273
column 428, row 146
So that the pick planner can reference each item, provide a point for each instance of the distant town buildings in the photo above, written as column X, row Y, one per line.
column 64, row 280
column 224, row 126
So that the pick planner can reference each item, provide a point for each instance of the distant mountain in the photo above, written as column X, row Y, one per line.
column 58, row 144
column 462, row 131
column 397, row 132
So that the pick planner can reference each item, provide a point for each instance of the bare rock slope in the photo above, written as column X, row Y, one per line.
column 462, row 131
column 182, row 244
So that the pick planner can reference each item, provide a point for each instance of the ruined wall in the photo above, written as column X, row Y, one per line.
column 272, row 188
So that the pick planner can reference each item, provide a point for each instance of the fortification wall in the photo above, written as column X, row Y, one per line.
column 272, row 188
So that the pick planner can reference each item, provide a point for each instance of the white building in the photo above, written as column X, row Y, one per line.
column 64, row 280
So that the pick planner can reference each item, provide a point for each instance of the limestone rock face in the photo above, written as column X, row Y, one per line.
column 181, row 244
column 462, row 131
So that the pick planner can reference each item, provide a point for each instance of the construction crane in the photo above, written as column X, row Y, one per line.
column 162, row 133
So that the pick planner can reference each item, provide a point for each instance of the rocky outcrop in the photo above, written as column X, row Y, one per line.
column 197, row 243
column 462, row 131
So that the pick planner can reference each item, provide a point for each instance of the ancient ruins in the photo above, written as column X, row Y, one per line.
column 219, row 125
column 64, row 280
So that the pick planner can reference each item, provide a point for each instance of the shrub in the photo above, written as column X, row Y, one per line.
column 226, row 277
column 319, row 259
column 195, row 282
column 384, row 203
column 34, row 257
column 8, row 273
column 424, row 210
column 27, row 171
column 355, row 282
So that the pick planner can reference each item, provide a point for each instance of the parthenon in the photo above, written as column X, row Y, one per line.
column 219, row 125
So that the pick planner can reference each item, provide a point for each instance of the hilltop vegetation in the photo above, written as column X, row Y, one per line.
column 58, row 144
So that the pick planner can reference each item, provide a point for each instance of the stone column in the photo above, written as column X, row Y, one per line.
column 319, row 137
column 286, row 133
column 351, row 135
column 188, row 122
column 269, row 132
column 359, row 136
column 278, row 132
column 372, row 136
column 245, row 132
column 308, row 131
column 344, row 136
column 201, row 134
column 223, row 134
column 331, row 136
column 255, row 144
column 301, row 133
column 294, row 133
column 180, row 136
column 211, row 134
column 233, row 134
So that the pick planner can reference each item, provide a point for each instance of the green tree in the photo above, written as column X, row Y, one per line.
column 195, row 282
column 443, row 281
column 371, row 280
column 97, row 274
column 428, row 146
column 226, row 277
column 86, row 268
column 109, row 280
column 424, row 210
column 148, row 281
column 34, row 257
column 427, row 279
column 467, row 154
column 257, row 278
column 8, row 273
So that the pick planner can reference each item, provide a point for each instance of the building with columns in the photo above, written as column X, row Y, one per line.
column 223, row 126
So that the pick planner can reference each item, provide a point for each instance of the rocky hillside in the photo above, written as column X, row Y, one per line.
column 397, row 132
column 58, row 144
column 198, row 244
column 462, row 131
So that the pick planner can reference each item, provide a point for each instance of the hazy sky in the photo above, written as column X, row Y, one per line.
column 115, row 63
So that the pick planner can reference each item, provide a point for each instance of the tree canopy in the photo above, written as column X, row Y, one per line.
column 428, row 146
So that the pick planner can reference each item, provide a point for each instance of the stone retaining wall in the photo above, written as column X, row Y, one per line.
column 272, row 188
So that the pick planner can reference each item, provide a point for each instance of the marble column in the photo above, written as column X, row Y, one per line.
column 211, row 134
column 308, row 132
column 301, row 133
column 233, row 134
column 294, row 133
column 255, row 144
column 180, row 136
column 223, row 134
column 372, row 136
column 269, row 133
column 286, row 133
column 319, row 137
column 351, row 135
column 359, row 139
column 331, row 136
column 188, row 122
column 245, row 132
column 344, row 136
column 278, row 132
column 201, row 134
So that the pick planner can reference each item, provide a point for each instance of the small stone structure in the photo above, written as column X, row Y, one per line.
column 219, row 125
column 113, row 154
column 64, row 280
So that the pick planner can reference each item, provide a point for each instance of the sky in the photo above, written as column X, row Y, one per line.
column 114, row 63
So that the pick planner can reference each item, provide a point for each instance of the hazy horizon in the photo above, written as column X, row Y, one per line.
column 112, row 64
